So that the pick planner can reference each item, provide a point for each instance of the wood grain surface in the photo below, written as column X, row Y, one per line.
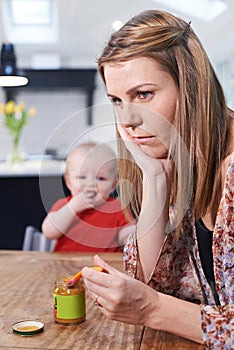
column 156, row 340
column 27, row 280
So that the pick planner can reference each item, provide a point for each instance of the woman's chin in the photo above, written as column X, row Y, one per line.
column 155, row 152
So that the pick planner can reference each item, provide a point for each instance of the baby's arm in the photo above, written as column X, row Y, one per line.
column 58, row 222
column 125, row 232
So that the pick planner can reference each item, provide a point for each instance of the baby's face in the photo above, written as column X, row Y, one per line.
column 92, row 174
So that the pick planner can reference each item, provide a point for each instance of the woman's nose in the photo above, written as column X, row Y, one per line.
column 129, row 115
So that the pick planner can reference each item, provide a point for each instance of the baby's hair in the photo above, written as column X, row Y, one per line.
column 91, row 145
column 85, row 145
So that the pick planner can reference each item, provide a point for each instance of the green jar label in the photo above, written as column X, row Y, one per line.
column 70, row 306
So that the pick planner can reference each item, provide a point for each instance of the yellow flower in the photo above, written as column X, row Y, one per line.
column 21, row 106
column 10, row 107
column 31, row 112
column 15, row 119
column 2, row 108
column 18, row 109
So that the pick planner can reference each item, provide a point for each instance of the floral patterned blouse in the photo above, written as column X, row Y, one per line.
column 179, row 272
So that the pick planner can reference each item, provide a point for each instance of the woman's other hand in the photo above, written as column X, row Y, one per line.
column 121, row 297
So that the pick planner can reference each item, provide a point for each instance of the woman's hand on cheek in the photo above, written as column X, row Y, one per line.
column 144, row 161
column 121, row 297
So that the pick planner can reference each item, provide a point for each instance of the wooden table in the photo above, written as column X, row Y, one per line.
column 27, row 280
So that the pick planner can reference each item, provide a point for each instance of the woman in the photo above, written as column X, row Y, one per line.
column 176, row 149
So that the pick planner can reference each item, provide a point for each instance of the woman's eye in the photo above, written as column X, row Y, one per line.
column 116, row 101
column 143, row 95
column 81, row 177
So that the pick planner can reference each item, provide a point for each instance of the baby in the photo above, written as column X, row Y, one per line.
column 89, row 220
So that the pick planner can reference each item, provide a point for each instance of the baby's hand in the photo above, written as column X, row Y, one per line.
column 86, row 200
column 94, row 199
column 81, row 201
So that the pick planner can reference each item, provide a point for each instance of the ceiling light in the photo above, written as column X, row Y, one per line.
column 116, row 25
column 205, row 10
column 9, row 74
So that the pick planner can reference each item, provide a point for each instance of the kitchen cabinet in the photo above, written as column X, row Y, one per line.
column 39, row 79
column 27, row 193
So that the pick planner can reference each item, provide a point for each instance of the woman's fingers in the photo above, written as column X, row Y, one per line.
column 121, row 299
column 146, row 161
column 108, row 268
column 131, row 146
column 95, row 279
column 109, row 285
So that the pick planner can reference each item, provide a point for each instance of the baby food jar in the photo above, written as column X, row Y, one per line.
column 69, row 301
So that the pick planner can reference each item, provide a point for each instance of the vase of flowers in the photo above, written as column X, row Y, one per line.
column 15, row 118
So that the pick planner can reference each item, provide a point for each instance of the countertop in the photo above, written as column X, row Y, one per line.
column 28, row 168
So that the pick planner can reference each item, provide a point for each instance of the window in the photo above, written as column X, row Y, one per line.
column 31, row 12
column 30, row 21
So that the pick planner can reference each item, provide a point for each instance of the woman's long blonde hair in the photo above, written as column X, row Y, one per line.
column 202, row 119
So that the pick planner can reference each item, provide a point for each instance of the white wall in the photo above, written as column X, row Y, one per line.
column 225, row 71
column 60, row 121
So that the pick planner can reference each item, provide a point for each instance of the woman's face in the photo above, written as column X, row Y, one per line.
column 144, row 97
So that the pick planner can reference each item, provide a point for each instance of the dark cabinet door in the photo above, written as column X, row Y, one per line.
column 25, row 201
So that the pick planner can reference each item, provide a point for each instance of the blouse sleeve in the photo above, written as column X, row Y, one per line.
column 218, row 321
column 218, row 326
column 130, row 256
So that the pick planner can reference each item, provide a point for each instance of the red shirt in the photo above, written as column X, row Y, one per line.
column 94, row 230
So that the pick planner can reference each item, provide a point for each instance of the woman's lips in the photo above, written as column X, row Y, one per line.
column 143, row 139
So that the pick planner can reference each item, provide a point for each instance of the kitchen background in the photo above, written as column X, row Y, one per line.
column 71, row 37
column 53, row 36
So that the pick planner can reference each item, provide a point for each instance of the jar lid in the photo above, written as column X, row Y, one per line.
column 28, row 327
